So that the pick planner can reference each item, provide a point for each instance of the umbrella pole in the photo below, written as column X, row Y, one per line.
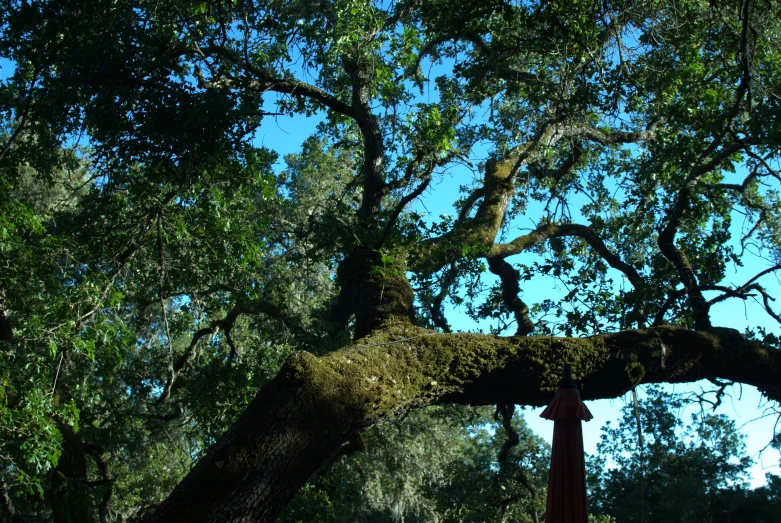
column 566, row 502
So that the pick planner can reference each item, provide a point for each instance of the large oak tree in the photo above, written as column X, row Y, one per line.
column 158, row 269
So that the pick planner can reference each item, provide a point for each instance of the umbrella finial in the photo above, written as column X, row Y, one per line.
column 566, row 381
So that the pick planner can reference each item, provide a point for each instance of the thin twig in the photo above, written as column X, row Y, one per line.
column 23, row 120
column 57, row 374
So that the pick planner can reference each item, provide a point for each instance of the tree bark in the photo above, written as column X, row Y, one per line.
column 315, row 405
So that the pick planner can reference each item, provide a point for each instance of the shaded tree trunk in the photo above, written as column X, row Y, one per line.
column 295, row 423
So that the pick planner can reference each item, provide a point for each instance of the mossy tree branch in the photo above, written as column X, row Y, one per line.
column 315, row 405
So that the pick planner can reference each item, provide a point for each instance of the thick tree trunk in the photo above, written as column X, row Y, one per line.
column 295, row 423
column 315, row 405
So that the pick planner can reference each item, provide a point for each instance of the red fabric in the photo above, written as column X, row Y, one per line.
column 566, row 406
column 567, row 481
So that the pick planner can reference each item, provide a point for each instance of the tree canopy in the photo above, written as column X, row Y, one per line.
column 171, row 296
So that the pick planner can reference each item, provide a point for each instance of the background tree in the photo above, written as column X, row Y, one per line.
column 674, row 471
column 440, row 464
column 758, row 505
column 158, row 269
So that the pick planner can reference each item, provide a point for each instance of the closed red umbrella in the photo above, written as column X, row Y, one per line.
column 567, row 480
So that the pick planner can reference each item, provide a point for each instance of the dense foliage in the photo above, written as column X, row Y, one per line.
column 159, row 265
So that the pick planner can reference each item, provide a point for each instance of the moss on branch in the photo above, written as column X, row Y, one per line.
column 402, row 366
